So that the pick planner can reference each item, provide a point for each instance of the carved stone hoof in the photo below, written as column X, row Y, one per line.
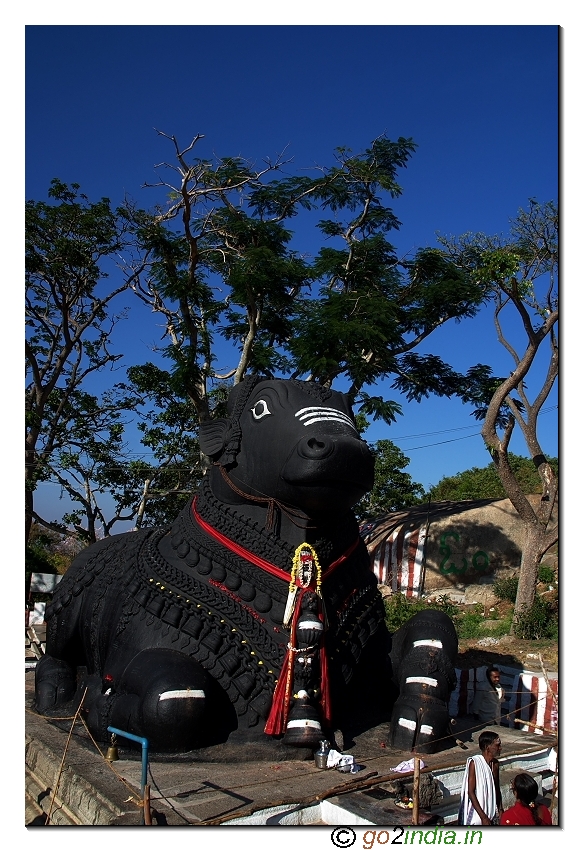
column 423, row 729
column 55, row 684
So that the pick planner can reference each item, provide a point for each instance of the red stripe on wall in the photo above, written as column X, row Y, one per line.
column 399, row 558
column 411, row 561
column 533, row 708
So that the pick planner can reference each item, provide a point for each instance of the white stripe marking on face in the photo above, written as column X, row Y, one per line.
column 424, row 729
column 183, row 694
column 436, row 643
column 407, row 724
column 309, row 415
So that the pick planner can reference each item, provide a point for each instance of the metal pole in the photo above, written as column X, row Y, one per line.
column 144, row 743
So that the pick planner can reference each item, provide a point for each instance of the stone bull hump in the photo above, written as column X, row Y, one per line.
column 254, row 618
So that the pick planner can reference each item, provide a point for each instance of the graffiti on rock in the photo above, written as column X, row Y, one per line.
column 480, row 559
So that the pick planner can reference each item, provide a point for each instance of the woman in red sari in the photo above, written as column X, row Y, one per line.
column 525, row 811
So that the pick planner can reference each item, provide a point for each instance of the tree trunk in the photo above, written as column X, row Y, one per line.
column 142, row 506
column 532, row 552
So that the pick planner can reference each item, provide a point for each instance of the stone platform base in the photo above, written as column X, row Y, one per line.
column 68, row 778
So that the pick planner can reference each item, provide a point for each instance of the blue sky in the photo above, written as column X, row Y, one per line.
column 481, row 102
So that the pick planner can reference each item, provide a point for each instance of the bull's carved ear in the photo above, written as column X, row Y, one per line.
column 212, row 436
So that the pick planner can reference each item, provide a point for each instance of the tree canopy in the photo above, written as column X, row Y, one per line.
column 484, row 482
column 393, row 489
column 220, row 262
column 68, row 334
column 223, row 265
column 520, row 274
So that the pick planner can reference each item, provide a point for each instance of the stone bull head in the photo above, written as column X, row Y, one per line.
column 291, row 442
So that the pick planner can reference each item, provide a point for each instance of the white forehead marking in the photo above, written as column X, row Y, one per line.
column 309, row 415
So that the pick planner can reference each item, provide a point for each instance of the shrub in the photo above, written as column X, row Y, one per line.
column 541, row 621
column 399, row 609
column 502, row 627
column 445, row 604
column 506, row 588
column 546, row 574
column 469, row 625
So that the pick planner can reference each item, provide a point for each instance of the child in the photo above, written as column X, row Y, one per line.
column 525, row 812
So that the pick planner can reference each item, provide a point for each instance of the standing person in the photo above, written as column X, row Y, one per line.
column 481, row 800
column 525, row 812
column 487, row 703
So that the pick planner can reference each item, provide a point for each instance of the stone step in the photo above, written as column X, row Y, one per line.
column 80, row 799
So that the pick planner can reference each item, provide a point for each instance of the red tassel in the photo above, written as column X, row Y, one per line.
column 277, row 719
column 324, row 684
column 280, row 706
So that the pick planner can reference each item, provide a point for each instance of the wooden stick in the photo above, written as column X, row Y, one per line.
column 546, row 731
column 147, row 810
column 416, row 772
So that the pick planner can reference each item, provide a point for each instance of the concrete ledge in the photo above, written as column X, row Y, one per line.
column 88, row 793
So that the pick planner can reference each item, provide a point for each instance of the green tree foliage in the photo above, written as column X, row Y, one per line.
column 47, row 551
column 393, row 488
column 355, row 312
column 69, row 243
column 484, row 482
column 168, row 425
column 219, row 263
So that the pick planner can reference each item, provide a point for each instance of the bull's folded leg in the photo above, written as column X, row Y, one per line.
column 55, row 684
column 419, row 726
column 403, row 726
column 434, row 729
column 160, row 696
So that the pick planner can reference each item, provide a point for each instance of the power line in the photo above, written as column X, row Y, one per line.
column 442, row 442
column 461, row 428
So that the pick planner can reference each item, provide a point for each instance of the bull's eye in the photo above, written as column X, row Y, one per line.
column 260, row 409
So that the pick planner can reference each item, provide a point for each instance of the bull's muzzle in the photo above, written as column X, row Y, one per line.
column 330, row 459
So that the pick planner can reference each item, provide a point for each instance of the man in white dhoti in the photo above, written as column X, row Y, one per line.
column 481, row 800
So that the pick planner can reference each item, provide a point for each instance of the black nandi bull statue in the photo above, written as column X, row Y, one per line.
column 255, row 617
